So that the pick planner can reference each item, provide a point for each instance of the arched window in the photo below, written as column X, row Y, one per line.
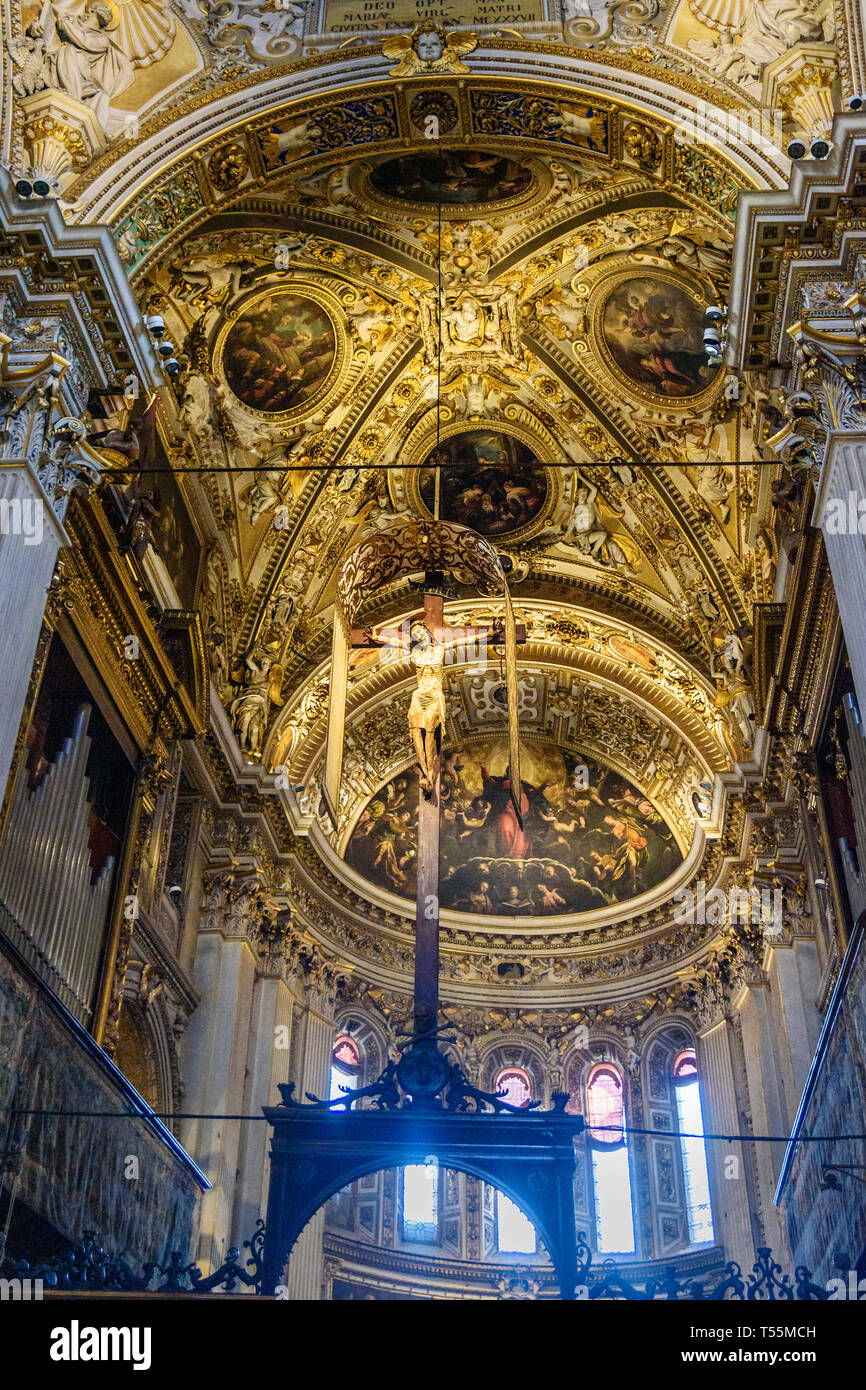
column 421, row 1202
column 345, row 1066
column 516, row 1085
column 611, row 1176
column 696, row 1179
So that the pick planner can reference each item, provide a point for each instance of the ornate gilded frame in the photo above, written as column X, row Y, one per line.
column 329, row 303
column 599, row 295
column 360, row 181
column 423, row 439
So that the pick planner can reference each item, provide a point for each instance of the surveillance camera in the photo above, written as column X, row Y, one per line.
column 155, row 325
column 855, row 102
column 796, row 149
column 24, row 188
column 820, row 149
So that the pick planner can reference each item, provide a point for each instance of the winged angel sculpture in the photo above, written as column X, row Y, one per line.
column 91, row 49
column 428, row 49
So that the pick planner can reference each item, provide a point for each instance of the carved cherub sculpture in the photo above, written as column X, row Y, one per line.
column 428, row 49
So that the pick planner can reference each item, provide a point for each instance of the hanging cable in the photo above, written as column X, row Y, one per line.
column 170, row 1116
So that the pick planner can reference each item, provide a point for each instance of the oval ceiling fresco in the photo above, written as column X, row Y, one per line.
column 488, row 480
column 653, row 330
column 455, row 177
column 279, row 352
column 589, row 838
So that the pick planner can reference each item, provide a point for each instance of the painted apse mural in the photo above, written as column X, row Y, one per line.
column 489, row 481
column 279, row 352
column 589, row 838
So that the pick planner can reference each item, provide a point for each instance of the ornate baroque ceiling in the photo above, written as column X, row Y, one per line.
column 274, row 195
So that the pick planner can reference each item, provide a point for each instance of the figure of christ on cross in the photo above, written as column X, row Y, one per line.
column 426, row 643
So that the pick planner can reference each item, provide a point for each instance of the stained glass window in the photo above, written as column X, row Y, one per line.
column 516, row 1085
column 345, row 1066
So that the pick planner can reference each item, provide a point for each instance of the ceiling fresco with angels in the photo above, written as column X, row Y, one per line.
column 588, row 839
column 508, row 316
column 579, row 428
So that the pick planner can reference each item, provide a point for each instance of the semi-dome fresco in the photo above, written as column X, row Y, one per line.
column 589, row 837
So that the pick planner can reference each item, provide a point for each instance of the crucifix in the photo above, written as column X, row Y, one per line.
column 427, row 640
column 424, row 1102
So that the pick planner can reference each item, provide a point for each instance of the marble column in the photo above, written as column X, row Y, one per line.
column 840, row 511
column 270, row 1041
column 215, row 1059
column 727, row 1162
column 765, row 1078
column 306, row 1263
column 794, row 977
column 30, row 537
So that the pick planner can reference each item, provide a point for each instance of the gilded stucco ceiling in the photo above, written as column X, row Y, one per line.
column 266, row 175
column 635, row 583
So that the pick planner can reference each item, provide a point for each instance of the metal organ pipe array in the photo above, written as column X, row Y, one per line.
column 57, row 913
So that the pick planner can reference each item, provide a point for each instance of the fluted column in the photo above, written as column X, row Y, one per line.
column 30, row 537
column 306, row 1264
column 842, row 520
column 794, row 981
column 270, row 1044
column 215, row 1059
column 727, row 1162
column 764, row 1075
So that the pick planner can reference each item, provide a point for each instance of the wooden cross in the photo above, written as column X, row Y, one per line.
column 428, row 657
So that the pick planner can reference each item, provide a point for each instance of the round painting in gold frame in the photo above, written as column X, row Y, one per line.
column 491, row 480
column 647, row 326
column 282, row 352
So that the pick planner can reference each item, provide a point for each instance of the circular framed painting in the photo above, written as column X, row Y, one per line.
column 282, row 352
column 649, row 327
column 488, row 480
column 456, row 178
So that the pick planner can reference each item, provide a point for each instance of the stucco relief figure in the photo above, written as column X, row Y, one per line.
column 715, row 484
column 261, row 494
column 428, row 49
column 586, row 529
column 31, row 61
column 262, row 678
column 466, row 322
column 427, row 706
column 89, row 64
column 92, row 50
column 753, row 33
